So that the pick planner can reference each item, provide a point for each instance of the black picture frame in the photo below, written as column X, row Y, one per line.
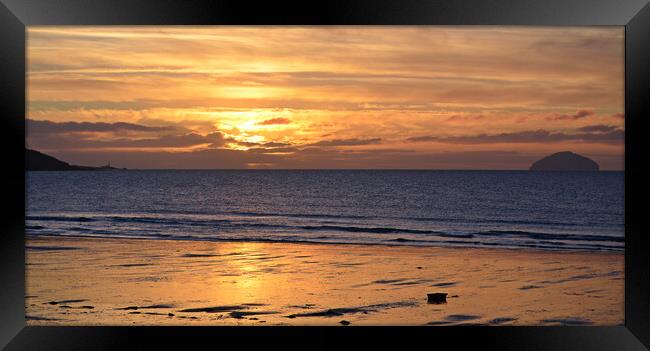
column 15, row 15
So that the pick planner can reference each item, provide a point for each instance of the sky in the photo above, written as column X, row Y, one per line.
column 369, row 97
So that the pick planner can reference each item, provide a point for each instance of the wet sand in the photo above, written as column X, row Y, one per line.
column 90, row 281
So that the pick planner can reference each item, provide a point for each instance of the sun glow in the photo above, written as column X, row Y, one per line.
column 328, row 97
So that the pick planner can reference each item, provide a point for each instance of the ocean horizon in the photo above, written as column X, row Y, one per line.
column 459, row 208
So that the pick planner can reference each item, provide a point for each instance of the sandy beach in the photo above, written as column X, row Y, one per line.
column 82, row 281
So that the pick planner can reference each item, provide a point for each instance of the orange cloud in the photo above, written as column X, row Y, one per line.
column 278, row 91
column 274, row 121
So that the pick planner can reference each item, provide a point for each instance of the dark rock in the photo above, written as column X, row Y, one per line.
column 170, row 314
column 437, row 298
column 565, row 161
column 344, row 322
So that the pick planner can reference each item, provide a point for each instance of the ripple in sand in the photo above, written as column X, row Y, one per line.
column 132, row 265
column 438, row 323
column 501, row 320
column 397, row 282
column 52, row 248
column 455, row 318
column 388, row 281
column 216, row 309
column 242, row 314
column 461, row 317
column 440, row 285
column 37, row 318
column 528, row 287
column 144, row 307
column 65, row 301
column 80, row 307
column 413, row 282
column 149, row 279
column 567, row 321
column 306, row 306
column 333, row 312
column 191, row 255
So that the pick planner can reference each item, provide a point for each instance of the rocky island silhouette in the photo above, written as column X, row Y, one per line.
column 565, row 161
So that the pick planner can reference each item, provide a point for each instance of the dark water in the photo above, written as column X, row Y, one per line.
column 553, row 210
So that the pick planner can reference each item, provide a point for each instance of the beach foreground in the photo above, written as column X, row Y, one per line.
column 92, row 281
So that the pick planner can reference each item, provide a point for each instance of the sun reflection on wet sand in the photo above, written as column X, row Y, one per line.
column 75, row 281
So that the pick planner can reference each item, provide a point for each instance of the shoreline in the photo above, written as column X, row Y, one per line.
column 98, row 281
column 306, row 242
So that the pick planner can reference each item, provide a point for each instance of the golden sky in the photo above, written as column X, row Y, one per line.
column 325, row 97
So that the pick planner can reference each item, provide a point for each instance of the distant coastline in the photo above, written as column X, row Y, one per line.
column 561, row 161
column 38, row 161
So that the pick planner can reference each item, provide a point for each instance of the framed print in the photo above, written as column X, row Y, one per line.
column 464, row 172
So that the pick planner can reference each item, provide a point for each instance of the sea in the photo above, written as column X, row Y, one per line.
column 500, row 209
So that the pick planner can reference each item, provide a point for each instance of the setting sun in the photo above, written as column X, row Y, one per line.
column 326, row 97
